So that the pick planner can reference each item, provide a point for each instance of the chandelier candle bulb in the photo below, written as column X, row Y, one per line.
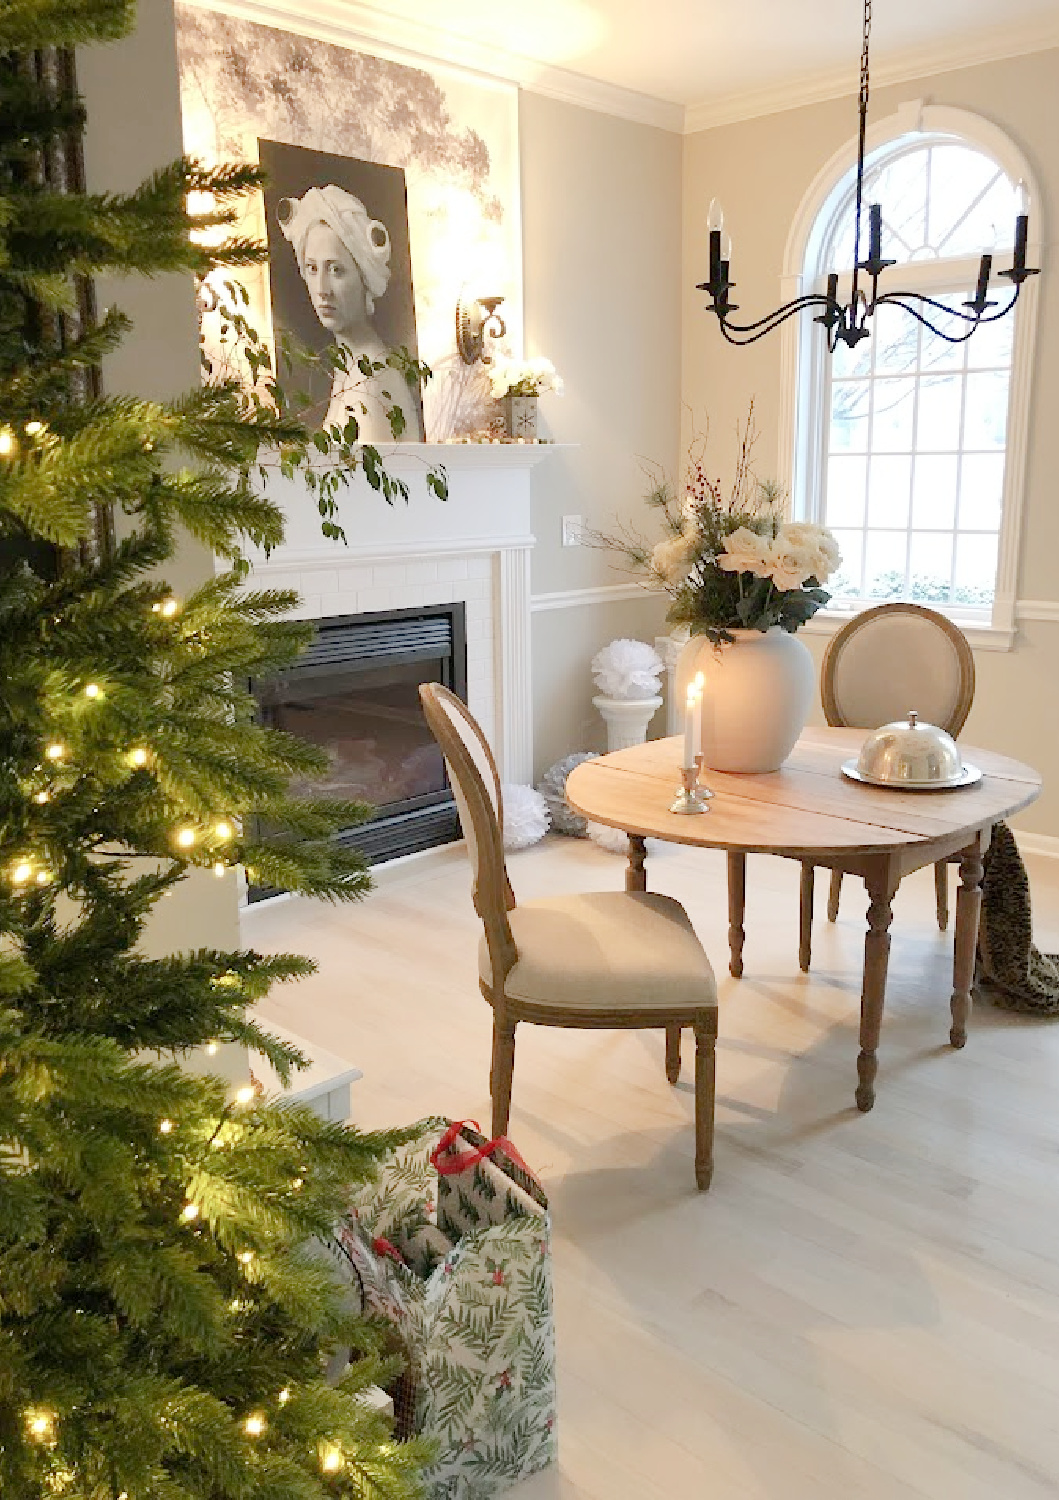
column 983, row 282
column 875, row 233
column 1022, row 231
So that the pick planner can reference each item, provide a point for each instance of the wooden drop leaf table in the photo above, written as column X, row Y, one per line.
column 810, row 812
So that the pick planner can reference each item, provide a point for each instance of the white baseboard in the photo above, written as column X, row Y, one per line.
column 1037, row 843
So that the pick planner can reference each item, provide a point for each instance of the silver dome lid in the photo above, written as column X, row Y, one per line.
column 910, row 753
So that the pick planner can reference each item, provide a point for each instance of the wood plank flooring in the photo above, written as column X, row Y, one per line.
column 861, row 1307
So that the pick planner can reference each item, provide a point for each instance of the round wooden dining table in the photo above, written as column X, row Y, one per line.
column 808, row 811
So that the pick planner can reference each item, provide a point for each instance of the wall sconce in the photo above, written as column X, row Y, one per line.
column 473, row 321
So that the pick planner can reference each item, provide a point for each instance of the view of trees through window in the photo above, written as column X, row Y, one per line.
column 916, row 428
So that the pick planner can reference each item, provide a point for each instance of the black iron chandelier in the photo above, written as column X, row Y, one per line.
column 849, row 324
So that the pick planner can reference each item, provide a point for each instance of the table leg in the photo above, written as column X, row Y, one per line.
column 636, row 874
column 968, row 913
column 805, row 917
column 672, row 1053
column 873, row 993
column 736, row 908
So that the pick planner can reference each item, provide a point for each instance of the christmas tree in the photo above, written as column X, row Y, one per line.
column 164, row 1320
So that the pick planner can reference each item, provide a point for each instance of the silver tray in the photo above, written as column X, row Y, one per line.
column 969, row 776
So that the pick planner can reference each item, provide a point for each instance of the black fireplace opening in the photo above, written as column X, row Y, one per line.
column 355, row 693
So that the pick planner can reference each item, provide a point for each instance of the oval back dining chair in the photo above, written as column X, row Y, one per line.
column 608, row 959
column 883, row 662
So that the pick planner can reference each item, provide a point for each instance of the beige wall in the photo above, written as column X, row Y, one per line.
column 601, row 269
column 760, row 170
column 130, row 89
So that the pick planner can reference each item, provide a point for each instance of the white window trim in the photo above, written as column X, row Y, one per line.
column 799, row 391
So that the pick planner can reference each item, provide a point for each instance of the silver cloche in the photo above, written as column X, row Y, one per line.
column 908, row 753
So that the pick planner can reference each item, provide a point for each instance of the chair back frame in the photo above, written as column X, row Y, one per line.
column 491, row 892
column 863, row 620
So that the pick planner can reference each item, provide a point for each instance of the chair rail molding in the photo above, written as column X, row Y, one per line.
column 1038, row 609
column 605, row 593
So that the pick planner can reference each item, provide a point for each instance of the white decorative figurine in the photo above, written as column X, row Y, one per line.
column 628, row 675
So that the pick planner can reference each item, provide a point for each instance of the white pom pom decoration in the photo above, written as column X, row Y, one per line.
column 614, row 840
column 628, row 669
column 526, row 816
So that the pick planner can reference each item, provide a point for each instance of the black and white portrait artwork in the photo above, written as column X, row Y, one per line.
column 448, row 136
column 340, row 270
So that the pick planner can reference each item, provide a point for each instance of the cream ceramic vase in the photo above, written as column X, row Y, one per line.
column 757, row 696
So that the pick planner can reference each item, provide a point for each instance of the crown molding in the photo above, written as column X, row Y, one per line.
column 942, row 56
column 354, row 24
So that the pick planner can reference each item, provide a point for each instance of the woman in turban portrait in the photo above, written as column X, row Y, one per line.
column 344, row 259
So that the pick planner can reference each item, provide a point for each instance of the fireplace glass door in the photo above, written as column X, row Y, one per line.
column 355, row 693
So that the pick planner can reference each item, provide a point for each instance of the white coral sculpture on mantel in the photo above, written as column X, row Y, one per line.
column 628, row 669
column 526, row 816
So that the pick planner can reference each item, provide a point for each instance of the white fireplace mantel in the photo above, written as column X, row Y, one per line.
column 474, row 547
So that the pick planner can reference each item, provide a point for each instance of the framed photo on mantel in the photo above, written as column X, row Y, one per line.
column 340, row 274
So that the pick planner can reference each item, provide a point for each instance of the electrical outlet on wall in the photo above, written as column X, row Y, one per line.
column 573, row 526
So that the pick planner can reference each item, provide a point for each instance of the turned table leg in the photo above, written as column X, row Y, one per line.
column 968, row 912
column 635, row 873
column 873, row 993
column 805, row 917
column 736, row 907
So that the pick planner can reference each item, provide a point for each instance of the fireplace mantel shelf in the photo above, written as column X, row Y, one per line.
column 402, row 456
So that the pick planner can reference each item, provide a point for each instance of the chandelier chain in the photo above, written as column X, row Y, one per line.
column 864, row 55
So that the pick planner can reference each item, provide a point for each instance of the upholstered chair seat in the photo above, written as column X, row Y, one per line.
column 610, row 959
column 602, row 951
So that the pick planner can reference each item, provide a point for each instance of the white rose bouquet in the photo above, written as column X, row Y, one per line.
column 730, row 562
column 524, row 377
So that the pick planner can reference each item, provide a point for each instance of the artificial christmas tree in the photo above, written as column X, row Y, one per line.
column 164, row 1321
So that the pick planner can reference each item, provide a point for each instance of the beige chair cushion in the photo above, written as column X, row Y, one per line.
column 894, row 663
column 606, row 951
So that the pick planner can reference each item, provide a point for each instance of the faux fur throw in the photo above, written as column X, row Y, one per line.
column 1015, row 974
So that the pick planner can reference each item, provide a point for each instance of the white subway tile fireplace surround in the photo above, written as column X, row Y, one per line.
column 474, row 547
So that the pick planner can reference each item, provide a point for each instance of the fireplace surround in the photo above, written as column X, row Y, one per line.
column 473, row 550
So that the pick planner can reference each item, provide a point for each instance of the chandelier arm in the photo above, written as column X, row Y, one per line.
column 902, row 300
column 894, row 299
column 773, row 319
column 899, row 299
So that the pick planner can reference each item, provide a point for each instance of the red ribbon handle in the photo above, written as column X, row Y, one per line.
column 460, row 1161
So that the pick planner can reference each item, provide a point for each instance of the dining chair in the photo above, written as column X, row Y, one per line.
column 607, row 959
column 883, row 662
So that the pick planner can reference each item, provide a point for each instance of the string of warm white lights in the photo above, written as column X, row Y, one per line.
column 27, row 870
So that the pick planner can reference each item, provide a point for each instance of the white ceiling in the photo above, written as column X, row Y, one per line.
column 694, row 51
column 702, row 61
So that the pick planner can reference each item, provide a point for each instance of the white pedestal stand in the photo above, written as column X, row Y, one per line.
column 627, row 719
column 669, row 648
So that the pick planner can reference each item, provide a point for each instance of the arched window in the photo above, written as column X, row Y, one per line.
column 910, row 448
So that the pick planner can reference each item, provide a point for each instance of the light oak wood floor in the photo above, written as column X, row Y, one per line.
column 861, row 1307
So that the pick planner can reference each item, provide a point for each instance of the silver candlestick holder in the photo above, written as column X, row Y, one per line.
column 691, row 798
